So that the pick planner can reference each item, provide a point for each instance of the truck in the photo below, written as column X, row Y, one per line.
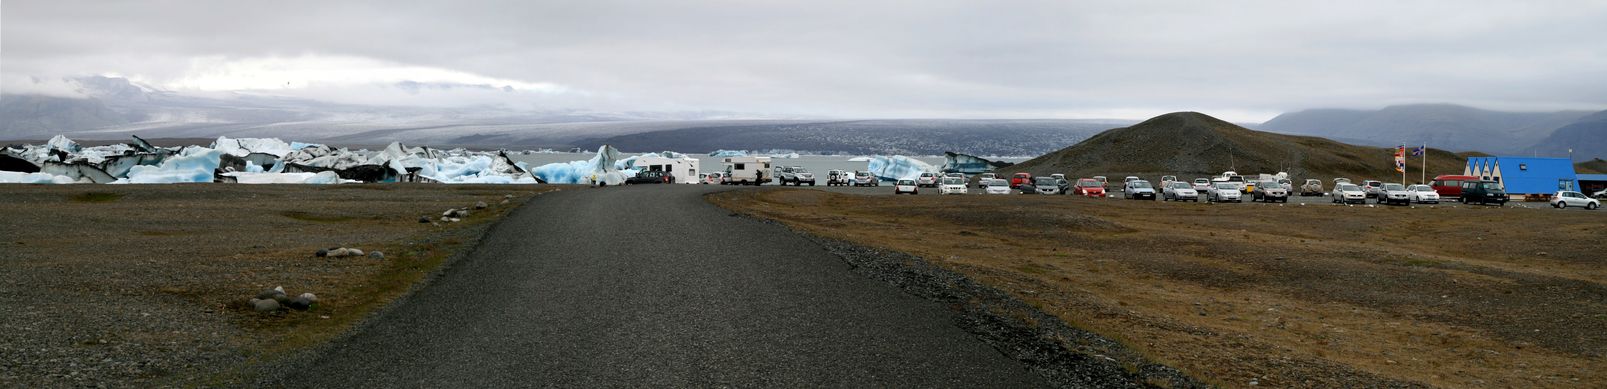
column 746, row 170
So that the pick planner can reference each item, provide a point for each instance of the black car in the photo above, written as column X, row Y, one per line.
column 648, row 177
column 1483, row 192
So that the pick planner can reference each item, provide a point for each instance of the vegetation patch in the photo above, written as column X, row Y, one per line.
column 96, row 197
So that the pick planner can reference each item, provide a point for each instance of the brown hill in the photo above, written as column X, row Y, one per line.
column 1191, row 144
column 1594, row 166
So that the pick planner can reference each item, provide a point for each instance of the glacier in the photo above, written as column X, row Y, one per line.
column 897, row 167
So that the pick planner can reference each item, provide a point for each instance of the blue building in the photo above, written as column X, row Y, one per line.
column 1525, row 175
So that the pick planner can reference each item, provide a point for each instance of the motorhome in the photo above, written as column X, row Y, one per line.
column 681, row 168
column 746, row 170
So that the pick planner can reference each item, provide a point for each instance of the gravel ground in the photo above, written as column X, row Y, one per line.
column 145, row 285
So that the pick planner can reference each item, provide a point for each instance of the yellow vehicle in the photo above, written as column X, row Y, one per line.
column 1249, row 186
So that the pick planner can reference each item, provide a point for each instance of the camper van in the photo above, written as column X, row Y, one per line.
column 681, row 169
column 746, row 170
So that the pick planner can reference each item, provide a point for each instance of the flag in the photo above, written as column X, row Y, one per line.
column 1416, row 151
column 1400, row 159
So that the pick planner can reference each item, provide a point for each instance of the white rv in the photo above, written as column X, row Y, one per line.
column 747, row 170
column 683, row 169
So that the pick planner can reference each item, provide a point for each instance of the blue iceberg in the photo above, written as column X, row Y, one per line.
column 897, row 167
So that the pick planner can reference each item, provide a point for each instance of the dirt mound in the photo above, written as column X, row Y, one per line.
column 1192, row 144
column 1594, row 166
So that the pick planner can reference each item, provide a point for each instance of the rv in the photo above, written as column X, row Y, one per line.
column 682, row 170
column 746, row 170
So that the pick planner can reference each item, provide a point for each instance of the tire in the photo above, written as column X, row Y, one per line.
column 1559, row 205
column 1591, row 206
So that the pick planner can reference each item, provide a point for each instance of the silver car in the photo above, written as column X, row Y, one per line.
column 1138, row 190
column 1222, row 192
column 1423, row 194
column 1392, row 193
column 1349, row 193
column 1180, row 191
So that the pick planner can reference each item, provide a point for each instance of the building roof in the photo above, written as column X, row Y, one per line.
column 1530, row 174
column 1592, row 177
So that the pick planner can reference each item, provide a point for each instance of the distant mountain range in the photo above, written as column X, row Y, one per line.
column 1192, row 144
column 1440, row 126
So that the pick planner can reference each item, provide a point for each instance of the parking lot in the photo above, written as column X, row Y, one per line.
column 1115, row 195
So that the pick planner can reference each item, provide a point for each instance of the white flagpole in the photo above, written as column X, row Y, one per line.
column 1424, row 178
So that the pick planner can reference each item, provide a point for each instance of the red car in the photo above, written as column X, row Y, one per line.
column 1450, row 186
column 1090, row 187
column 1019, row 179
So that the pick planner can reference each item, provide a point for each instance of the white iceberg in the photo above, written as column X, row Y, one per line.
column 194, row 164
column 32, row 178
column 602, row 168
column 859, row 159
column 728, row 153
column 898, row 167
column 245, row 146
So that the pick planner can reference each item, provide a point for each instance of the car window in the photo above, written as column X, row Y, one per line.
column 1140, row 184
column 953, row 181
column 1393, row 187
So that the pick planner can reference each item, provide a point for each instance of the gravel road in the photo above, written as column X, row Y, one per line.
column 652, row 286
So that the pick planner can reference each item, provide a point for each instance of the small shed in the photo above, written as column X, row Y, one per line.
column 1525, row 175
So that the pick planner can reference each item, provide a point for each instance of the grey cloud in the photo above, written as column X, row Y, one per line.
column 893, row 58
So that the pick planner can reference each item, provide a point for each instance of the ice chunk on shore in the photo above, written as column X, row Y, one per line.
column 32, row 178
column 245, row 146
column 897, row 167
column 604, row 168
column 728, row 153
column 60, row 142
column 194, row 164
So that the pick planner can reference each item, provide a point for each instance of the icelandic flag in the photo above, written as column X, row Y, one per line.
column 1416, row 151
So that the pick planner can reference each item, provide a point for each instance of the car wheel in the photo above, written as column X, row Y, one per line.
column 1591, row 206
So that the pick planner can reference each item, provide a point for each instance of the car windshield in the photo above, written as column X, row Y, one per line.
column 1268, row 184
column 1490, row 186
column 1181, row 185
column 953, row 181
column 1422, row 188
column 1043, row 181
column 861, row 174
column 928, row 175
column 799, row 170
column 1140, row 184
column 1087, row 182
column 1225, row 185
column 998, row 183
column 1394, row 187
column 1348, row 188
column 1202, row 181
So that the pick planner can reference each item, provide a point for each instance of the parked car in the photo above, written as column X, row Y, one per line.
column 1048, row 185
column 1483, row 192
column 906, row 186
column 1423, row 194
column 1449, row 186
column 1090, row 187
column 795, row 175
column 1128, row 179
column 1166, row 181
column 1222, row 192
column 1180, row 191
column 862, row 178
column 714, row 178
column 1341, row 180
column 998, row 186
column 1601, row 194
column 1103, row 182
column 1371, row 187
column 1139, row 190
column 927, row 179
column 1349, row 193
column 1567, row 198
column 1312, row 187
column 648, row 177
column 1202, row 185
column 953, row 185
column 1286, row 184
column 982, row 180
column 837, row 177
column 1270, row 191
column 1058, row 176
column 1393, row 193
column 1248, row 187
column 1019, row 179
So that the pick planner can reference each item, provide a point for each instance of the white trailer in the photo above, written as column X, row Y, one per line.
column 747, row 170
column 683, row 169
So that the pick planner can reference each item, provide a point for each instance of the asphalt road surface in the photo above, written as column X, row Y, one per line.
column 649, row 285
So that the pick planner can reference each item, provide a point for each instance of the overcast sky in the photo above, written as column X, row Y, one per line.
column 1240, row 60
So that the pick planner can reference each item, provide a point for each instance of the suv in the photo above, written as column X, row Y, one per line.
column 1393, row 193
column 1371, row 187
column 1483, row 192
column 863, row 178
column 838, row 178
column 1269, row 191
column 1313, row 187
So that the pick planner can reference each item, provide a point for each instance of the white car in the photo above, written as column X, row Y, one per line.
column 714, row 178
column 1180, row 191
column 906, row 186
column 1393, row 193
column 998, row 186
column 1138, row 190
column 1166, row 181
column 1348, row 193
column 953, row 185
column 1128, row 179
column 1567, row 198
column 983, row 180
column 1423, row 194
column 1222, row 192
column 1600, row 195
column 927, row 179
column 1202, row 184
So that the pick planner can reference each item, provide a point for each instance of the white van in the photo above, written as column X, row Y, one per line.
column 747, row 170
